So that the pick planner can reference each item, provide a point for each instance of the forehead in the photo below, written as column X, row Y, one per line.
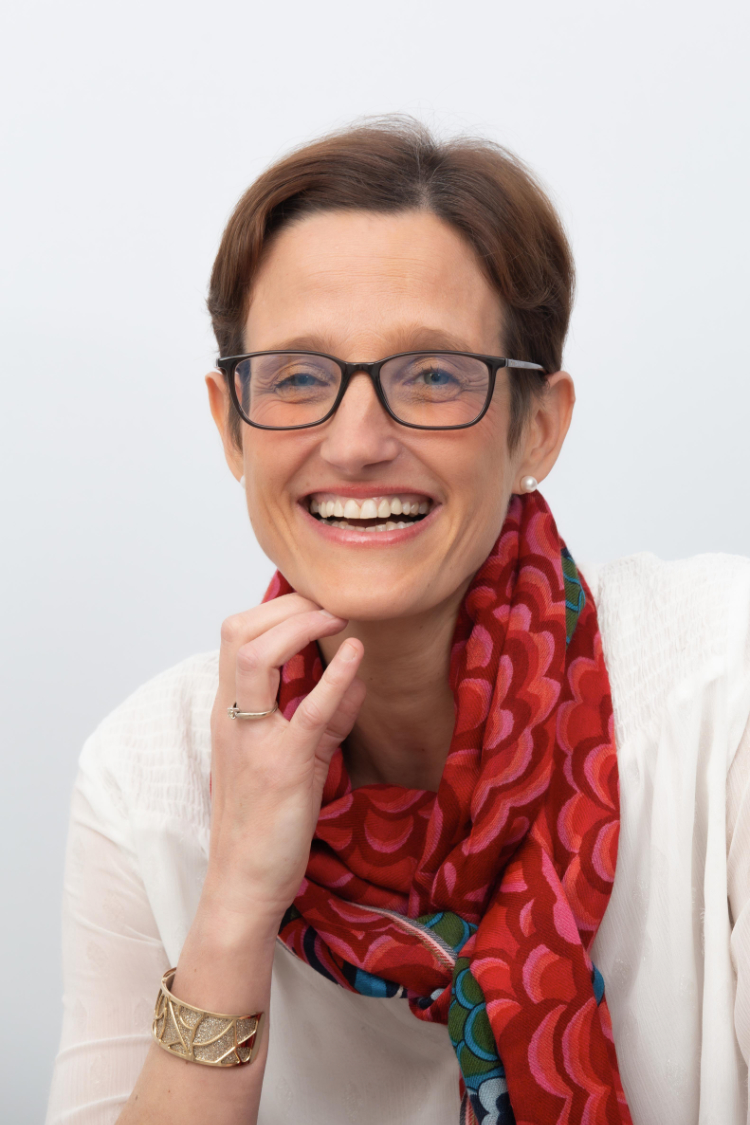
column 358, row 276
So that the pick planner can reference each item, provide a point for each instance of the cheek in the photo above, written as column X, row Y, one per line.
column 479, row 467
column 270, row 465
column 482, row 484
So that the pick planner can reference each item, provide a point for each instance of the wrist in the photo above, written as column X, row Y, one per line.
column 224, row 930
column 226, row 961
column 239, row 900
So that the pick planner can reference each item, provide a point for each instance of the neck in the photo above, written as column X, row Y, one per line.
column 403, row 731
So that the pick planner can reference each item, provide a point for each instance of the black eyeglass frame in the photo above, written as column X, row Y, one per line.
column 228, row 365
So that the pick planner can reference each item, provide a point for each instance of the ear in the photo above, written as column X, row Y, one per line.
column 546, row 429
column 222, row 408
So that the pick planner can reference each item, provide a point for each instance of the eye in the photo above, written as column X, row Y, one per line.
column 435, row 377
column 293, row 378
column 429, row 373
column 299, row 373
column 435, row 389
column 299, row 379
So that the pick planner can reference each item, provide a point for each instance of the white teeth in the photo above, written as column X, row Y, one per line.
column 369, row 509
column 390, row 526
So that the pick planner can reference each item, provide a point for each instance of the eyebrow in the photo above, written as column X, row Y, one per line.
column 405, row 340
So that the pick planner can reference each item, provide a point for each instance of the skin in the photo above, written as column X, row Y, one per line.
column 362, row 286
column 381, row 607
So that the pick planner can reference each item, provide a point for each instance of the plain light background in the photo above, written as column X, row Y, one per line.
column 129, row 131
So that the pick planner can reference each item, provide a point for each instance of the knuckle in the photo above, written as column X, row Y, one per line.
column 311, row 715
column 231, row 629
column 249, row 659
column 336, row 675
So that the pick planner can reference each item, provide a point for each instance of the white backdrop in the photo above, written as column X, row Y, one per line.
column 129, row 132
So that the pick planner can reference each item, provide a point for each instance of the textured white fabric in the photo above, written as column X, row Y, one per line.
column 674, row 947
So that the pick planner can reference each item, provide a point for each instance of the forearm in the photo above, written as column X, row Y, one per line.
column 267, row 785
column 225, row 966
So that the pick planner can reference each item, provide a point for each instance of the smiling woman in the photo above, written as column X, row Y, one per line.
column 467, row 821
column 423, row 288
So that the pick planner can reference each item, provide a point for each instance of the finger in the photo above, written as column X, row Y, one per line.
column 316, row 711
column 343, row 720
column 258, row 663
column 241, row 628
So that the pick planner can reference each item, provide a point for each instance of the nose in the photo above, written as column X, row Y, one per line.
column 360, row 434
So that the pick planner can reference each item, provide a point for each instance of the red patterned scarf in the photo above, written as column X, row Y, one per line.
column 479, row 903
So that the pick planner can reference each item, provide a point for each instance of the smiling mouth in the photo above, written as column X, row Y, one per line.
column 376, row 513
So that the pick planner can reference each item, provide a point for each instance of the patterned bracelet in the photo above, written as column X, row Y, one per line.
column 204, row 1037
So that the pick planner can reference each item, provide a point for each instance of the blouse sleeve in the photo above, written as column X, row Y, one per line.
column 113, row 959
column 738, row 881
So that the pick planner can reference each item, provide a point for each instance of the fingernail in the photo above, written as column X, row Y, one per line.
column 335, row 616
column 348, row 652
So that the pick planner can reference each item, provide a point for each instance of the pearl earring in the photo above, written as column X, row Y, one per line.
column 529, row 484
column 242, row 482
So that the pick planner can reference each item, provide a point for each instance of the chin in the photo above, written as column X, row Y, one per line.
column 365, row 597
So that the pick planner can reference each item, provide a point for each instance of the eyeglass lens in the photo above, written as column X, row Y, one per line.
column 283, row 390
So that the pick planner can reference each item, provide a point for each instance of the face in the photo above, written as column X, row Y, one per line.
column 362, row 286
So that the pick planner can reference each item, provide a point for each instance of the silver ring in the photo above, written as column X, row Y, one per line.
column 235, row 713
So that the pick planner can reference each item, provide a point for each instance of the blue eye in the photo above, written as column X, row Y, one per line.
column 437, row 378
column 295, row 381
column 299, row 379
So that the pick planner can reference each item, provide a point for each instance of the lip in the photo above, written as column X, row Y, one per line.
column 351, row 538
column 365, row 491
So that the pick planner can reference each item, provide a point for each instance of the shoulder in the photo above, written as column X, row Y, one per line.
column 692, row 598
column 152, row 754
column 671, row 625
column 179, row 696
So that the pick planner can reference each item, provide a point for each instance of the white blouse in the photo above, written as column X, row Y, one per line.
column 674, row 946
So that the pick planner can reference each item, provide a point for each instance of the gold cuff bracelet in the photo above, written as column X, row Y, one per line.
column 203, row 1037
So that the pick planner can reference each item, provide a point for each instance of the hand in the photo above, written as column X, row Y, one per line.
column 268, row 774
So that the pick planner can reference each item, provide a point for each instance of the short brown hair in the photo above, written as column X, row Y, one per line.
column 395, row 164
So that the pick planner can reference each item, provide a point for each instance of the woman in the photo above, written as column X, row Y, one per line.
column 394, row 801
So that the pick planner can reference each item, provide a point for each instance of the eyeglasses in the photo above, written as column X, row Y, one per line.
column 290, row 390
